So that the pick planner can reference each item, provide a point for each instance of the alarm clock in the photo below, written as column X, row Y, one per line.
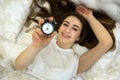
column 48, row 27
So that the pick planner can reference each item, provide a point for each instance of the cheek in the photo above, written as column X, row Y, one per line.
column 77, row 36
column 61, row 28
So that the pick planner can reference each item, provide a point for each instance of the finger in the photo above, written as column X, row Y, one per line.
column 53, row 34
column 38, row 31
column 51, row 19
column 81, row 9
column 41, row 21
column 34, row 36
column 37, row 34
column 50, row 37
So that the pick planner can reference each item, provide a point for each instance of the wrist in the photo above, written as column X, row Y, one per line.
column 35, row 47
column 90, row 17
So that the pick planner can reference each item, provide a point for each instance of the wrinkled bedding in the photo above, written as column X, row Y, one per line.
column 14, row 39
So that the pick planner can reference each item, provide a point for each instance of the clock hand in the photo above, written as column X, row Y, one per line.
column 47, row 29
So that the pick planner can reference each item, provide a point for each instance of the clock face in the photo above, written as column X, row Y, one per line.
column 47, row 28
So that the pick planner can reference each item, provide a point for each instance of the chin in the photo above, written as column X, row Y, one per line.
column 110, row 7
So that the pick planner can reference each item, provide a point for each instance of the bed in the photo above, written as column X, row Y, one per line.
column 14, row 39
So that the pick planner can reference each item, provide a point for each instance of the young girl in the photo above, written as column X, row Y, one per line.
column 52, row 57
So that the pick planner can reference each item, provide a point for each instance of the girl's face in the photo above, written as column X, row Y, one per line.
column 69, row 31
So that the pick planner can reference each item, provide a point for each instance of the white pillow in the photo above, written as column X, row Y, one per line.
column 13, row 14
column 110, row 7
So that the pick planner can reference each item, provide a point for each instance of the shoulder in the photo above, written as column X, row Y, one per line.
column 79, row 50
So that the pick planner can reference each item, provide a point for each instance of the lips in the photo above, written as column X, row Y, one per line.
column 65, row 35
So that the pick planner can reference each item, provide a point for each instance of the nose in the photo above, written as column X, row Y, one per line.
column 68, row 29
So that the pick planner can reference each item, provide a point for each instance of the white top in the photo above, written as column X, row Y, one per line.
column 55, row 63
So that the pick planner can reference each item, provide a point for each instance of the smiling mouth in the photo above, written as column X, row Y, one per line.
column 65, row 35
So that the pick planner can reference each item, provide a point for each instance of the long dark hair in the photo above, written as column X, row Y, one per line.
column 57, row 9
column 60, row 7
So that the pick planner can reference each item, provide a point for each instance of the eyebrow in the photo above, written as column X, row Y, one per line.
column 77, row 27
column 73, row 25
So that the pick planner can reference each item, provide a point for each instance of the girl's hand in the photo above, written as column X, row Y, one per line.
column 84, row 11
column 39, row 39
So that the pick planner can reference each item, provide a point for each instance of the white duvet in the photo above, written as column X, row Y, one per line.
column 14, row 39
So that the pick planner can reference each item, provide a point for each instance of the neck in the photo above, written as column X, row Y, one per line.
column 63, row 45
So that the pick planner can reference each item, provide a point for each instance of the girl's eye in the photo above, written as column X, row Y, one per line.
column 65, row 24
column 75, row 29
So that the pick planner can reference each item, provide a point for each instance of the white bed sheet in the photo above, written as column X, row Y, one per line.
column 12, row 43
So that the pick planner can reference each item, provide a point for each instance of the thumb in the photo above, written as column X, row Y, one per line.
column 53, row 34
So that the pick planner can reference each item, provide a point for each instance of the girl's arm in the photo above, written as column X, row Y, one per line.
column 105, row 41
column 39, row 41
column 26, row 57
